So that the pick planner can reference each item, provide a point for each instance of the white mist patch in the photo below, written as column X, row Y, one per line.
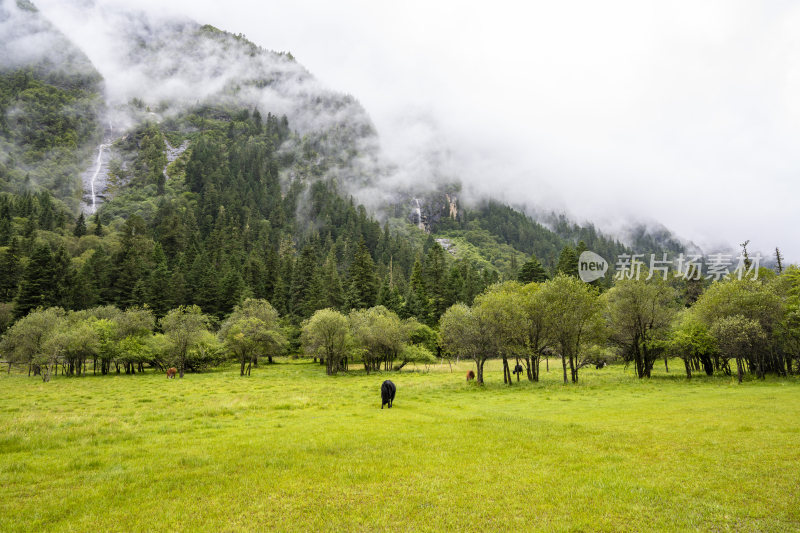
column 679, row 112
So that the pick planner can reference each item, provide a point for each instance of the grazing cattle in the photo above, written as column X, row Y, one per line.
column 470, row 375
column 518, row 369
column 171, row 372
column 387, row 393
column 600, row 365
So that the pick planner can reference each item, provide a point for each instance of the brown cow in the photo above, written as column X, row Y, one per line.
column 171, row 372
column 470, row 375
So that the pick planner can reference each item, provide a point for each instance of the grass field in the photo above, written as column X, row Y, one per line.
column 292, row 449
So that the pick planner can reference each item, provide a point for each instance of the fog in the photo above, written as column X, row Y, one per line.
column 683, row 113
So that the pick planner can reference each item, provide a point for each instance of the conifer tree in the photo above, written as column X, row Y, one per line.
column 98, row 271
column 37, row 287
column 133, row 261
column 80, row 226
column 283, row 283
column 177, row 294
column 568, row 262
column 158, row 287
column 46, row 211
column 778, row 260
column 455, row 285
column 388, row 295
column 472, row 285
column 363, row 290
column 6, row 228
column 532, row 271
column 98, row 225
column 10, row 271
column 580, row 248
column 332, row 283
column 231, row 291
column 417, row 303
column 302, row 280
column 204, row 279
column 63, row 278
column 435, row 268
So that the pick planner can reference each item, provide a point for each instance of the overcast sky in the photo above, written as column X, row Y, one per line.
column 685, row 113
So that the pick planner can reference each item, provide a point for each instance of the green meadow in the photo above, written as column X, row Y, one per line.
column 291, row 449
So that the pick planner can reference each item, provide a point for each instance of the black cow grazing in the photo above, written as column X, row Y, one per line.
column 518, row 369
column 600, row 365
column 387, row 393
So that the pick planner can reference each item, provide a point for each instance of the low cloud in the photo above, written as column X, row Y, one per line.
column 682, row 113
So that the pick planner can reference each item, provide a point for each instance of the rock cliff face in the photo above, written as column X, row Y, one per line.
column 430, row 209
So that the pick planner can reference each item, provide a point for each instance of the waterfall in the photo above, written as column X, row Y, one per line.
column 418, row 211
column 97, row 167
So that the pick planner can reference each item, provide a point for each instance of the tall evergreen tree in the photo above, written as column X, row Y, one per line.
column 63, row 278
column 80, row 226
column 532, row 271
column 98, row 225
column 158, row 287
column 6, row 227
column 389, row 296
column 435, row 269
column 177, row 294
column 38, row 284
column 472, row 285
column 10, row 271
column 47, row 215
column 417, row 302
column 98, row 271
column 580, row 248
column 568, row 262
column 204, row 280
column 778, row 260
column 363, row 290
column 332, row 283
column 455, row 285
column 133, row 262
column 283, row 283
column 232, row 290
column 303, row 303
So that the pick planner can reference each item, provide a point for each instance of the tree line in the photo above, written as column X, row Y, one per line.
column 734, row 326
column 105, row 340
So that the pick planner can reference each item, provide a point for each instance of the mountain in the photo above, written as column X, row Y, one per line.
column 50, row 105
column 214, row 169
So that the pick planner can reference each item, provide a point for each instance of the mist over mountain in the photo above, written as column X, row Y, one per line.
column 51, row 104
column 154, row 68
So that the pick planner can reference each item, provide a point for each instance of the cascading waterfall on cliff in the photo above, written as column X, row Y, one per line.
column 98, row 165
column 418, row 210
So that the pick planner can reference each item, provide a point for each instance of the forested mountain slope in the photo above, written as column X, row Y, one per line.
column 225, row 171
column 50, row 106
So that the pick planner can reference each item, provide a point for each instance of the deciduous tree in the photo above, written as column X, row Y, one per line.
column 640, row 313
column 326, row 335
column 573, row 311
column 184, row 327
